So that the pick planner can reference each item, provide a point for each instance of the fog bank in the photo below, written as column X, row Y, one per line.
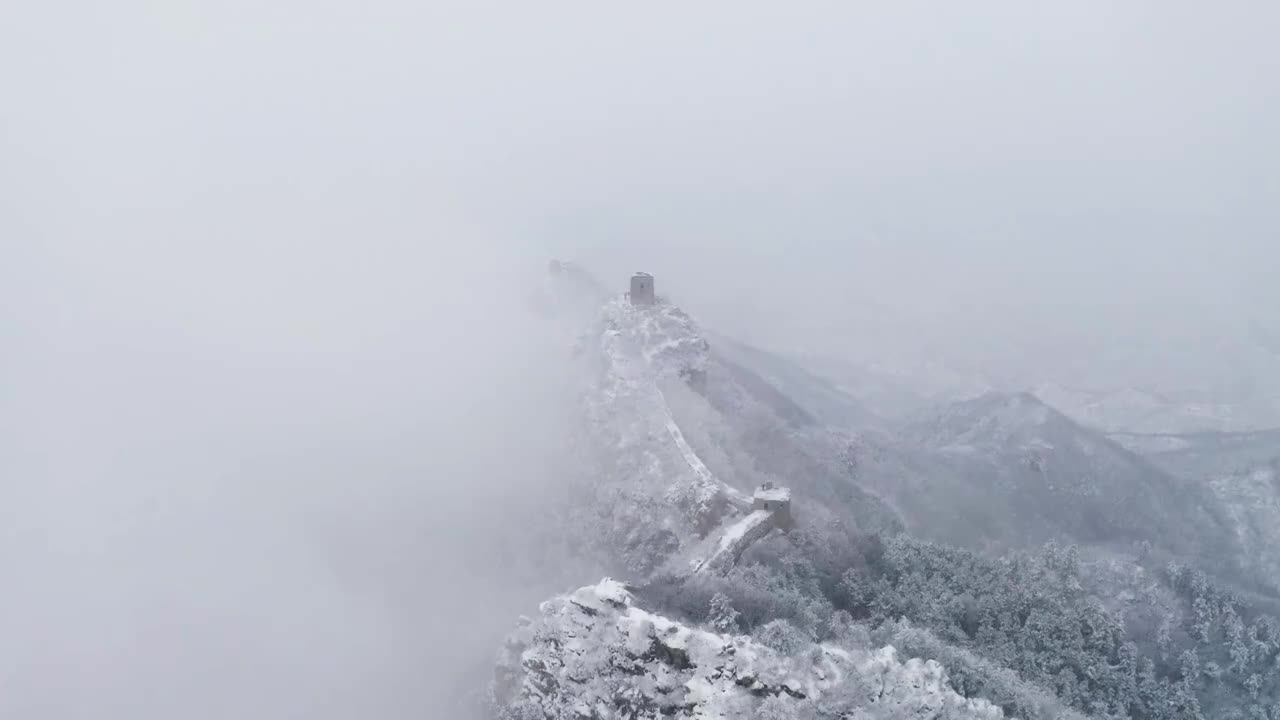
column 272, row 404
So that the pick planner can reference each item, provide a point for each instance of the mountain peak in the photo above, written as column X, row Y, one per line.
column 993, row 418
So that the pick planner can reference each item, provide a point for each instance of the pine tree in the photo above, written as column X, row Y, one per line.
column 723, row 617
column 1202, row 628
column 1189, row 664
column 1262, row 636
column 1253, row 684
column 1127, row 683
column 857, row 592
column 1199, row 584
column 1237, row 648
column 1065, row 686
column 1153, row 692
column 1183, row 703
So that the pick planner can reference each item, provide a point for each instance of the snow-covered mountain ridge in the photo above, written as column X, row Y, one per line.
column 654, row 494
column 655, row 504
column 678, row 431
column 1133, row 410
column 593, row 653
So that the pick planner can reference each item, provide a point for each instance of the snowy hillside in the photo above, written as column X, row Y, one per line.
column 1243, row 471
column 652, row 495
column 679, row 426
column 594, row 654
column 678, row 436
column 991, row 421
column 939, row 537
column 1139, row 411
column 812, row 399
column 1035, row 474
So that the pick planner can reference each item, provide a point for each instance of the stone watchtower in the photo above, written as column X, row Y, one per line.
column 776, row 500
column 642, row 289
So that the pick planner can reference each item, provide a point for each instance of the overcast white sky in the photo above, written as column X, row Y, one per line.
column 257, row 259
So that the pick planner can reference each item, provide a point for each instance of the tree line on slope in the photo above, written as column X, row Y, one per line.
column 1026, row 631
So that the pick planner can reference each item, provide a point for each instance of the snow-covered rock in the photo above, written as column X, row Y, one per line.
column 593, row 654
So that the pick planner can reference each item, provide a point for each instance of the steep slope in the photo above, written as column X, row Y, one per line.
column 651, row 495
column 676, row 438
column 675, row 433
column 796, row 392
column 671, row 437
column 1243, row 472
column 998, row 471
column 594, row 654
column 1045, row 476
column 747, row 428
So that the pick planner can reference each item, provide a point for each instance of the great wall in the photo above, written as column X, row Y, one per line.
column 766, row 510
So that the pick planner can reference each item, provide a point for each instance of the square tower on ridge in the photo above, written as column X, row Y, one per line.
column 642, row 289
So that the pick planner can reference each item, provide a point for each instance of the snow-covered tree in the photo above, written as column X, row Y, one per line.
column 1189, row 664
column 723, row 617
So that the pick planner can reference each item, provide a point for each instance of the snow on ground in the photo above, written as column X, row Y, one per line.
column 736, row 538
column 593, row 654
column 660, row 495
column 1133, row 410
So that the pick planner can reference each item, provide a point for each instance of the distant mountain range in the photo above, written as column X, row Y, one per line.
column 677, row 421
